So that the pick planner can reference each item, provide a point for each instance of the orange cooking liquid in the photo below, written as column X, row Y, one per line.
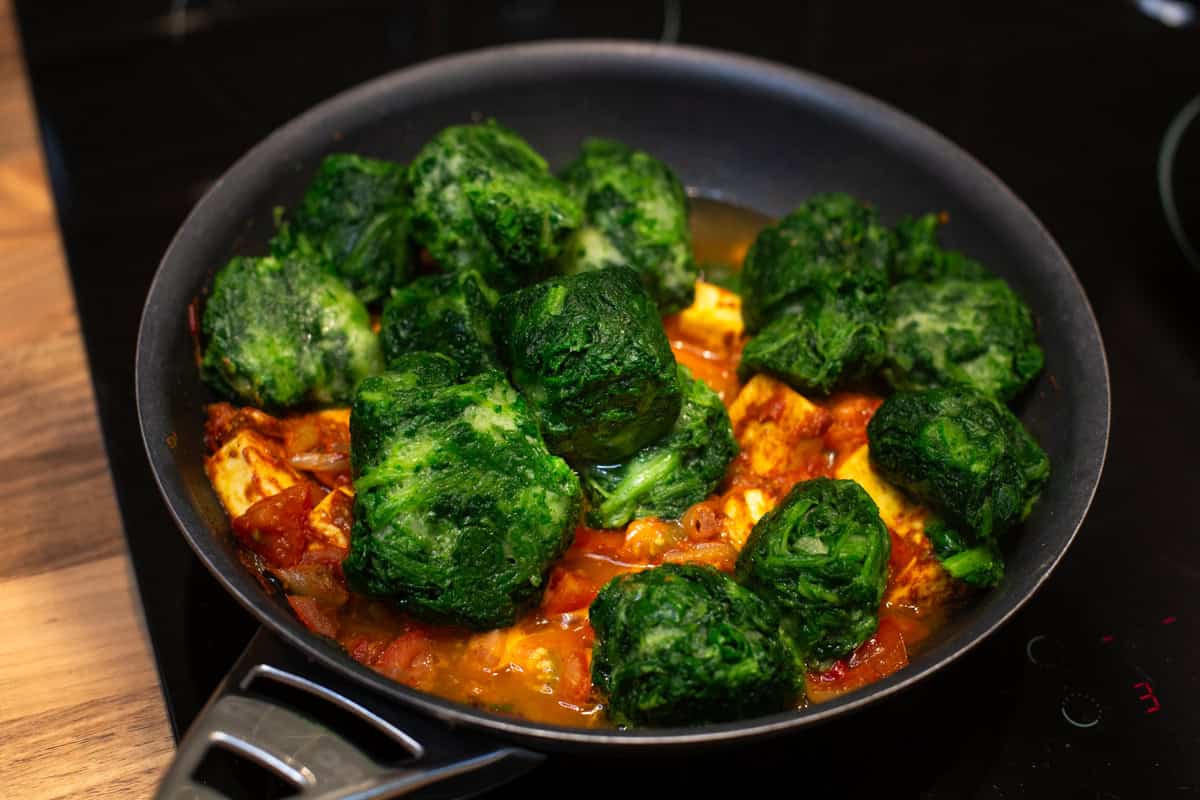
column 539, row 668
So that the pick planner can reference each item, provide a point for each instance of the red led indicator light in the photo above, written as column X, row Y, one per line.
column 1106, row 639
column 1168, row 620
column 1149, row 700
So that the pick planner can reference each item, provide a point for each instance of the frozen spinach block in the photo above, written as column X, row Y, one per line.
column 460, row 511
column 636, row 214
column 667, row 477
column 919, row 256
column 831, row 248
column 817, row 350
column 449, row 313
column 821, row 558
column 589, row 353
column 484, row 200
column 354, row 219
column 686, row 645
column 971, row 559
column 963, row 453
column 950, row 331
column 281, row 332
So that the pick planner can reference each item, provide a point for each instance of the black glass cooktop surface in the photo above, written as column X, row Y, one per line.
column 1092, row 690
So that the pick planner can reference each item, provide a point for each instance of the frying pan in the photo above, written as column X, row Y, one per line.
column 734, row 128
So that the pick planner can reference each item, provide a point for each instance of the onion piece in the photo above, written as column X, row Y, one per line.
column 320, row 462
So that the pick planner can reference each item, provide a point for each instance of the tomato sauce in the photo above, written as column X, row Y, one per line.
column 539, row 668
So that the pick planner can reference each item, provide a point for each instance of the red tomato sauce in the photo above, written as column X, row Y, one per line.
column 539, row 668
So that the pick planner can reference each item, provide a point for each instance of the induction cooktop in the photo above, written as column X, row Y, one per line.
column 1092, row 690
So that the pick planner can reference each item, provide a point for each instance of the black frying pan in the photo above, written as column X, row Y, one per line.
column 747, row 131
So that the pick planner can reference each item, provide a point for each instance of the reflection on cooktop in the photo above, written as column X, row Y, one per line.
column 1089, row 691
column 1179, row 179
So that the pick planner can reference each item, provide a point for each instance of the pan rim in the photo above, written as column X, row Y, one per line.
column 698, row 63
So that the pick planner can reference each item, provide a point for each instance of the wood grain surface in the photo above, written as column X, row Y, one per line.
column 81, row 713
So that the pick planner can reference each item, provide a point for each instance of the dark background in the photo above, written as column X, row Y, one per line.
column 1093, row 689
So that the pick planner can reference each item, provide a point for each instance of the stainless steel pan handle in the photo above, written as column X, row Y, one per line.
column 246, row 718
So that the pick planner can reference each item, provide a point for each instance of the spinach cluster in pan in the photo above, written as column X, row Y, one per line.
column 280, row 332
column 669, row 475
column 459, row 509
column 483, row 199
column 523, row 383
column 968, row 457
column 834, row 297
column 590, row 354
column 445, row 313
column 685, row 645
column 813, row 288
column 354, row 219
column 636, row 215
column 821, row 557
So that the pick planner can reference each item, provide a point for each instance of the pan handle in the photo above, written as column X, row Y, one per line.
column 252, row 715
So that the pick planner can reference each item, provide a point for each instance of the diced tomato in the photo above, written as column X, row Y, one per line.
column 341, row 512
column 321, row 581
column 912, row 628
column 317, row 616
column 902, row 552
column 876, row 658
column 575, row 678
column 225, row 420
column 850, row 413
column 568, row 590
column 276, row 527
column 408, row 659
column 365, row 648
column 486, row 650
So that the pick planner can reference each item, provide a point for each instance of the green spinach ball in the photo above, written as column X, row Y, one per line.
column 821, row 558
column 666, row 477
column 830, row 249
column 961, row 452
column 686, row 645
column 280, row 332
column 589, row 353
column 484, row 200
column 459, row 511
column 354, row 219
column 974, row 332
column 450, row 314
column 636, row 214
column 818, row 349
column 919, row 256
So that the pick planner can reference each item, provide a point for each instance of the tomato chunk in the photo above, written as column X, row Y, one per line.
column 901, row 554
column 365, row 648
column 876, row 658
column 276, row 527
column 568, row 590
column 850, row 413
column 409, row 659
column 575, row 680
column 317, row 616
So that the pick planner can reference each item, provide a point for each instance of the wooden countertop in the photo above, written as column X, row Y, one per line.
column 81, row 713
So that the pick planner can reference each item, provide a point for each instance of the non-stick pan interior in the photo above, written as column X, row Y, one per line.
column 757, row 135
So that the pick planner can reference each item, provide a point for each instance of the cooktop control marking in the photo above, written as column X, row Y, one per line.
column 1149, row 699
column 1080, row 710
